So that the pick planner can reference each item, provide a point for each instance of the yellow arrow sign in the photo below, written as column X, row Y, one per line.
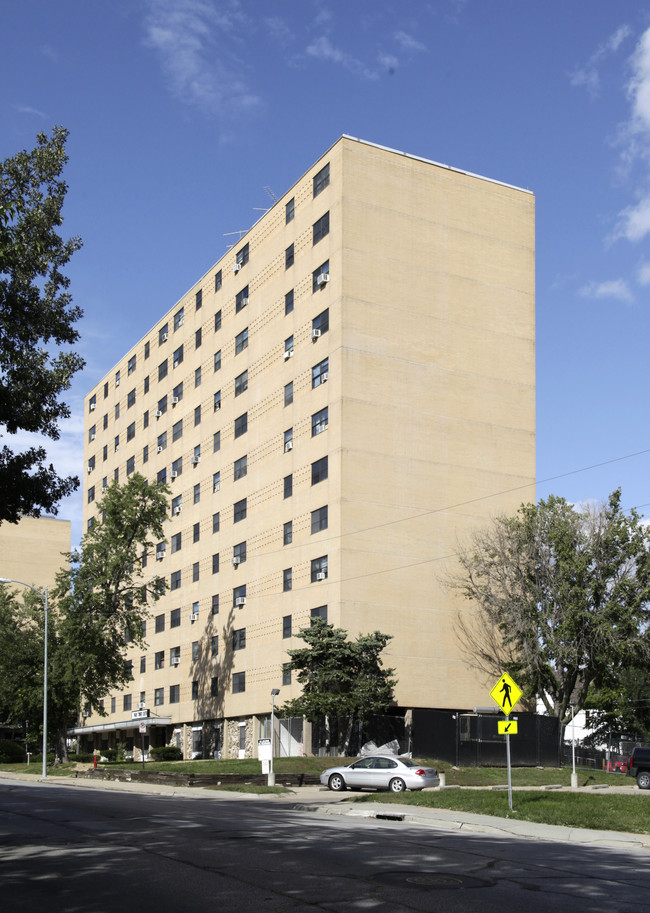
column 506, row 693
column 507, row 727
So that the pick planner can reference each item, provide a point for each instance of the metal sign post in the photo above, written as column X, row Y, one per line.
column 506, row 693
column 143, row 729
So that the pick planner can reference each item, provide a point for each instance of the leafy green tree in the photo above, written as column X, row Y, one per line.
column 342, row 680
column 621, row 708
column 97, row 608
column 561, row 598
column 36, row 320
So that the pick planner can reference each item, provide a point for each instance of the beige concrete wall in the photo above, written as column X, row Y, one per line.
column 431, row 405
column 33, row 549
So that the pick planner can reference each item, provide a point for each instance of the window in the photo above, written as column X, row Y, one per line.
column 241, row 383
column 319, row 612
column 215, row 563
column 239, row 510
column 130, row 399
column 239, row 639
column 177, row 393
column 143, row 664
column 241, row 467
column 177, row 504
column 91, row 464
column 162, row 406
column 288, row 486
column 160, row 554
column 175, row 618
column 146, row 384
column 195, row 690
column 130, row 465
column 92, row 403
column 178, row 356
column 214, row 686
column 159, row 660
column 241, row 341
column 288, row 393
column 196, row 532
column 320, row 276
column 215, row 604
column 239, row 596
column 163, row 333
column 146, row 349
column 91, row 494
column 175, row 580
column 319, row 422
column 217, row 401
column 289, row 211
column 130, row 432
column 145, row 419
column 158, row 697
column 177, row 466
column 242, row 255
column 318, row 519
column 162, row 370
column 217, row 321
column 214, row 645
column 198, row 299
column 197, row 377
column 287, row 533
column 196, row 650
column 217, row 360
column 287, row 579
column 286, row 673
column 218, row 280
column 130, row 368
column 289, row 256
column 216, row 481
column 216, row 441
column 116, row 474
column 198, row 338
column 318, row 568
column 105, row 421
column 286, row 626
column 238, row 682
column 196, row 493
column 321, row 228
column 288, row 440
column 319, row 471
column 161, row 441
column 117, row 378
column 176, row 542
column 195, row 571
column 197, row 415
column 288, row 303
column 322, row 179
column 241, row 299
column 239, row 552
column 320, row 373
column 216, row 523
column 179, row 318
column 113, row 702
column 320, row 323
column 174, row 694
column 177, row 430
column 241, row 425
column 92, row 432
column 126, row 702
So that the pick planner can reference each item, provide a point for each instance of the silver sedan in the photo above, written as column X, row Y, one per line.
column 381, row 772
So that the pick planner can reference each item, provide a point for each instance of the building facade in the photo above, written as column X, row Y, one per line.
column 343, row 396
column 35, row 549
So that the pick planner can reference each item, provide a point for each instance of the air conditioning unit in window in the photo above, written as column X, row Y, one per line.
column 160, row 556
column 158, row 413
column 174, row 400
column 92, row 437
column 175, row 660
column 236, row 561
column 164, row 337
column 321, row 426
column 86, row 714
column 142, row 705
column 194, row 616
column 159, row 449
column 321, row 575
column 288, row 354
column 288, row 445
column 177, row 510
column 244, row 302
column 173, row 474
column 315, row 334
column 236, row 267
column 195, row 460
column 90, row 469
column 92, row 407
column 324, row 377
column 322, row 279
column 217, row 406
column 240, row 600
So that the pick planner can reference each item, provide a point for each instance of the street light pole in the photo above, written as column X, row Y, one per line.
column 574, row 775
column 271, row 776
column 44, row 597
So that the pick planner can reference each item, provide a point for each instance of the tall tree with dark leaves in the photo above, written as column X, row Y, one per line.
column 36, row 324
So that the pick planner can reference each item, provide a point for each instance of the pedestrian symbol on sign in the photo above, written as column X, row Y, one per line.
column 506, row 693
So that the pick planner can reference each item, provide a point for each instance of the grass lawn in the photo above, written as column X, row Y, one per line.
column 603, row 812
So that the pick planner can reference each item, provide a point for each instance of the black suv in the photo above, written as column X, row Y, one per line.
column 639, row 766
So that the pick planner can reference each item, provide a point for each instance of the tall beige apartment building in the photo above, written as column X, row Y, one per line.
column 343, row 396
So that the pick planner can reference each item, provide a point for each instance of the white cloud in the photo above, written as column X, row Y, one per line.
column 614, row 288
column 25, row 109
column 408, row 43
column 639, row 85
column 588, row 75
column 196, row 42
column 323, row 49
column 643, row 275
column 634, row 221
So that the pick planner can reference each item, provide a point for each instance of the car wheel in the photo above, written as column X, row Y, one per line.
column 336, row 783
column 643, row 779
column 397, row 785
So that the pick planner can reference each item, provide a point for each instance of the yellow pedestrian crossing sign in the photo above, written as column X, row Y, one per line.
column 507, row 727
column 506, row 693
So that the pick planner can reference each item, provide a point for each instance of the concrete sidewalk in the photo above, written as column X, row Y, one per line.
column 320, row 800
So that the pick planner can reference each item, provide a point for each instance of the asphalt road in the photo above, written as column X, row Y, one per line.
column 73, row 850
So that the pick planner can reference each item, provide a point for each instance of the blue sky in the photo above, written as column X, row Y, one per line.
column 181, row 112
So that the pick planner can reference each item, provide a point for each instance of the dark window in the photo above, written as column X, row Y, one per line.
column 319, row 471
column 286, row 626
column 241, row 299
column 319, row 519
column 239, row 510
column 195, row 690
column 287, row 533
column 196, row 493
column 239, row 596
column 288, row 303
column 322, row 179
column 162, row 406
column 239, row 639
column 130, row 399
column 130, row 465
column 321, row 276
column 196, row 532
column 162, row 370
column 158, row 697
column 288, row 393
column 177, row 430
column 241, row 425
column 218, row 280
column 289, row 210
column 241, row 467
column 214, row 686
column 197, row 415
column 241, row 383
column 146, row 350
column 214, row 645
column 319, row 421
column 130, row 368
column 175, row 618
column 198, row 299
column 217, row 321
column 217, row 401
column 287, row 579
column 321, row 228
column 130, row 432
column 320, row 323
column 238, row 682
column 178, row 356
column 288, row 486
column 288, row 348
column 217, row 360
column 179, row 319
column 320, row 373
column 318, row 568
column 195, row 572
column 215, row 522
column 145, row 419
column 145, row 453
column 175, row 580
column 289, row 257
column 197, row 377
column 160, row 623
column 159, row 659
column 216, row 481
column 146, row 384
column 126, row 702
column 286, row 673
column 176, row 542
column 320, row 612
column 174, row 694
column 288, row 440
column 198, row 338
column 216, row 441
column 215, row 604
column 241, row 341
column 143, row 664
column 177, row 467
column 239, row 553
column 215, row 563
column 196, row 650
column 242, row 255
